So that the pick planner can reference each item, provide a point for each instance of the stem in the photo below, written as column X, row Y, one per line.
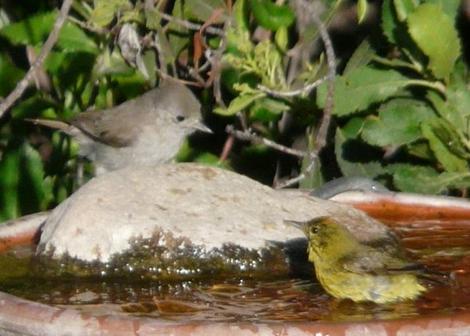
column 438, row 86
column 50, row 42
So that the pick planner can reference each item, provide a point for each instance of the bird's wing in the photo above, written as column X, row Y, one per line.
column 378, row 262
column 105, row 126
column 119, row 126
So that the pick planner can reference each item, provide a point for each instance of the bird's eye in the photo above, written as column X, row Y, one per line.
column 180, row 118
column 314, row 230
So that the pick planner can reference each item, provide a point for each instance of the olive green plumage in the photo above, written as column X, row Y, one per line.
column 349, row 269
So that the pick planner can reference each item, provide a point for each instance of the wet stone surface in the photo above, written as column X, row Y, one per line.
column 179, row 221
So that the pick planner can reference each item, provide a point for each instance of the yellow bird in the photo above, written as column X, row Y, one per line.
column 349, row 269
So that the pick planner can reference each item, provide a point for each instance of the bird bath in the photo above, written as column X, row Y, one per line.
column 435, row 229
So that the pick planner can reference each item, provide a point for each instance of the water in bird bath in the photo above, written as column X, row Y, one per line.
column 441, row 246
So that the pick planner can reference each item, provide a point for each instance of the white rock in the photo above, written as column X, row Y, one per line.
column 207, row 205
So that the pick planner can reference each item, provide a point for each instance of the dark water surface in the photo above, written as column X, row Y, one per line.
column 442, row 247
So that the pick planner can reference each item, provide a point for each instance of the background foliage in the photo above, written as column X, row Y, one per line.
column 401, row 111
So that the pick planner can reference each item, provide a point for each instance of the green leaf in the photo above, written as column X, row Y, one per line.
column 398, row 123
column 282, row 38
column 361, row 10
column 108, row 63
column 389, row 21
column 363, row 54
column 22, row 183
column 418, row 180
column 426, row 180
column 30, row 31
column 450, row 161
column 434, row 33
column 240, row 14
column 73, row 39
column 203, row 9
column 35, row 29
column 9, row 75
column 353, row 168
column 449, row 136
column 362, row 87
column 403, row 8
column 449, row 7
column 270, row 15
column 210, row 159
column 267, row 109
column 105, row 10
column 31, row 107
column 456, row 108
column 239, row 103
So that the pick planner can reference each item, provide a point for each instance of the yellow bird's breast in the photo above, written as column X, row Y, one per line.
column 368, row 287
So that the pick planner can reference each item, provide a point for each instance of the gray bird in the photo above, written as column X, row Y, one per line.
column 147, row 130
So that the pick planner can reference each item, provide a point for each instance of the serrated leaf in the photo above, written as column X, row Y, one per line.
column 73, row 39
column 398, row 123
column 434, row 33
column 456, row 108
column 31, row 30
column 449, row 7
column 426, row 180
column 362, row 87
column 35, row 29
column 450, row 161
column 418, row 180
column 389, row 21
column 239, row 103
column 350, row 168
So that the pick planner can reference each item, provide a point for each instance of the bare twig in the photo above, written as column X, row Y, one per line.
column 247, row 135
column 50, row 42
column 191, row 25
column 322, row 130
column 87, row 26
column 285, row 94
column 301, row 176
column 227, row 148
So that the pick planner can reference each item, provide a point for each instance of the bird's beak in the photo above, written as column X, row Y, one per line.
column 299, row 225
column 198, row 125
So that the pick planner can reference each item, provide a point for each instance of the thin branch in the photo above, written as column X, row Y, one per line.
column 50, row 42
column 301, row 176
column 285, row 94
column 87, row 26
column 227, row 148
column 191, row 25
column 322, row 131
column 247, row 135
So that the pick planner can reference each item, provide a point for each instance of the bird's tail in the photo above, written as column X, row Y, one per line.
column 51, row 123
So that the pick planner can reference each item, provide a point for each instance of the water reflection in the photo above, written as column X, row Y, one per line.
column 440, row 247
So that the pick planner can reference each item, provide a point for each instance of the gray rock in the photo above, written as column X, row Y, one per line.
column 185, row 203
